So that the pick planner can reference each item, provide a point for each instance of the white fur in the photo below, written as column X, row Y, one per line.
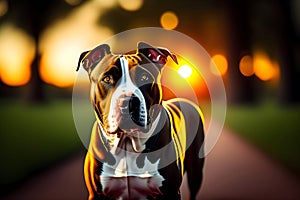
column 125, row 88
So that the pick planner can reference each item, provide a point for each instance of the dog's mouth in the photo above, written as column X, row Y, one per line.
column 133, row 113
column 128, row 115
column 130, row 139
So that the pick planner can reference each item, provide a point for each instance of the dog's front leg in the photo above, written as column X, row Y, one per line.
column 194, row 162
column 93, row 164
column 91, row 176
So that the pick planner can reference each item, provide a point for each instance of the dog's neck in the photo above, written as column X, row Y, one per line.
column 137, row 139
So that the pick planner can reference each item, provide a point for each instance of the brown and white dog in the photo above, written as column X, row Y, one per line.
column 140, row 145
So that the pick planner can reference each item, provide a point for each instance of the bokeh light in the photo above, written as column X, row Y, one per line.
column 246, row 65
column 169, row 20
column 182, row 76
column 185, row 71
column 16, row 54
column 264, row 68
column 131, row 5
column 64, row 41
column 219, row 65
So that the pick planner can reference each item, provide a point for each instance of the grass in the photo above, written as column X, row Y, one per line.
column 274, row 129
column 33, row 137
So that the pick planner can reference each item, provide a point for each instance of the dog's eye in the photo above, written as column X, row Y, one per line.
column 144, row 77
column 108, row 80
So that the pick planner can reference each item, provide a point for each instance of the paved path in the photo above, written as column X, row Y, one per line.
column 233, row 170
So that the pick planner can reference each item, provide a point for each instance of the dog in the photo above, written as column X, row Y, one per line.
column 140, row 145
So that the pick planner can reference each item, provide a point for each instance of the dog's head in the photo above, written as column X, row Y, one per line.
column 125, row 88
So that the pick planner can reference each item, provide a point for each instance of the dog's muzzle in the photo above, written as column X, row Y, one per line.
column 128, row 107
column 132, row 113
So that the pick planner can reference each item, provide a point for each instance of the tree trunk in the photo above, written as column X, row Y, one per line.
column 240, row 89
column 287, row 40
column 36, row 85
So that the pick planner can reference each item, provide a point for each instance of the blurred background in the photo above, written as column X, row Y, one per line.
column 254, row 44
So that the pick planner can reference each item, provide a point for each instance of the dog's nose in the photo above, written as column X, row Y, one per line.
column 129, row 105
column 132, row 111
column 124, row 104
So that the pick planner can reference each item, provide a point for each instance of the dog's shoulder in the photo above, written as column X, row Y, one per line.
column 181, row 107
column 185, row 118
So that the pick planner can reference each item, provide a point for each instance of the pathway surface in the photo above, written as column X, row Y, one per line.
column 233, row 170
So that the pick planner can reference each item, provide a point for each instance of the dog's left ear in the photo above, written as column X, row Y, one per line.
column 89, row 59
column 155, row 55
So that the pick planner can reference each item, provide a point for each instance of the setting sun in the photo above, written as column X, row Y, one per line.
column 185, row 71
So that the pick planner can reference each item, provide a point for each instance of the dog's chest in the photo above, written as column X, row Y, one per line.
column 125, row 179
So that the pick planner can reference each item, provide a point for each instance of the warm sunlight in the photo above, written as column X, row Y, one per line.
column 131, row 5
column 169, row 20
column 65, row 40
column 182, row 79
column 264, row 68
column 185, row 71
column 219, row 65
column 16, row 55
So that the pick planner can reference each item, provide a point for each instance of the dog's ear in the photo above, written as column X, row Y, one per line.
column 89, row 59
column 155, row 55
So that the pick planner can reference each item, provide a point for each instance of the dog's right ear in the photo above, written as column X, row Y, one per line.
column 89, row 59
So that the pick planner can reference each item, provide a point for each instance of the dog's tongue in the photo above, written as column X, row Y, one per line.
column 129, row 143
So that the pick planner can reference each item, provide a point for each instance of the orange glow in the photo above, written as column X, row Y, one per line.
column 131, row 5
column 174, row 84
column 219, row 65
column 16, row 54
column 169, row 20
column 246, row 65
column 55, row 70
column 63, row 42
column 264, row 68
column 185, row 71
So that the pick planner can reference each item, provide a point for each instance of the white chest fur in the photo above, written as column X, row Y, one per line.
column 126, row 180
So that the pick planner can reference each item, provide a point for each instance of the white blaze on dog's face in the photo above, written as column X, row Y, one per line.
column 125, row 89
column 127, row 98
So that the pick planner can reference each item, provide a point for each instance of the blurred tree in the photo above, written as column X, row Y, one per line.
column 34, row 16
column 240, row 89
column 274, row 32
column 288, row 45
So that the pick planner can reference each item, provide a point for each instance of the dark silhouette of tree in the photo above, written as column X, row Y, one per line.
column 288, row 44
column 240, row 89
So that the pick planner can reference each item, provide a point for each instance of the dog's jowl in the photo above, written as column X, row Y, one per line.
column 140, row 145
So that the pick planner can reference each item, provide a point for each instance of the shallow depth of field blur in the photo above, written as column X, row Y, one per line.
column 254, row 44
